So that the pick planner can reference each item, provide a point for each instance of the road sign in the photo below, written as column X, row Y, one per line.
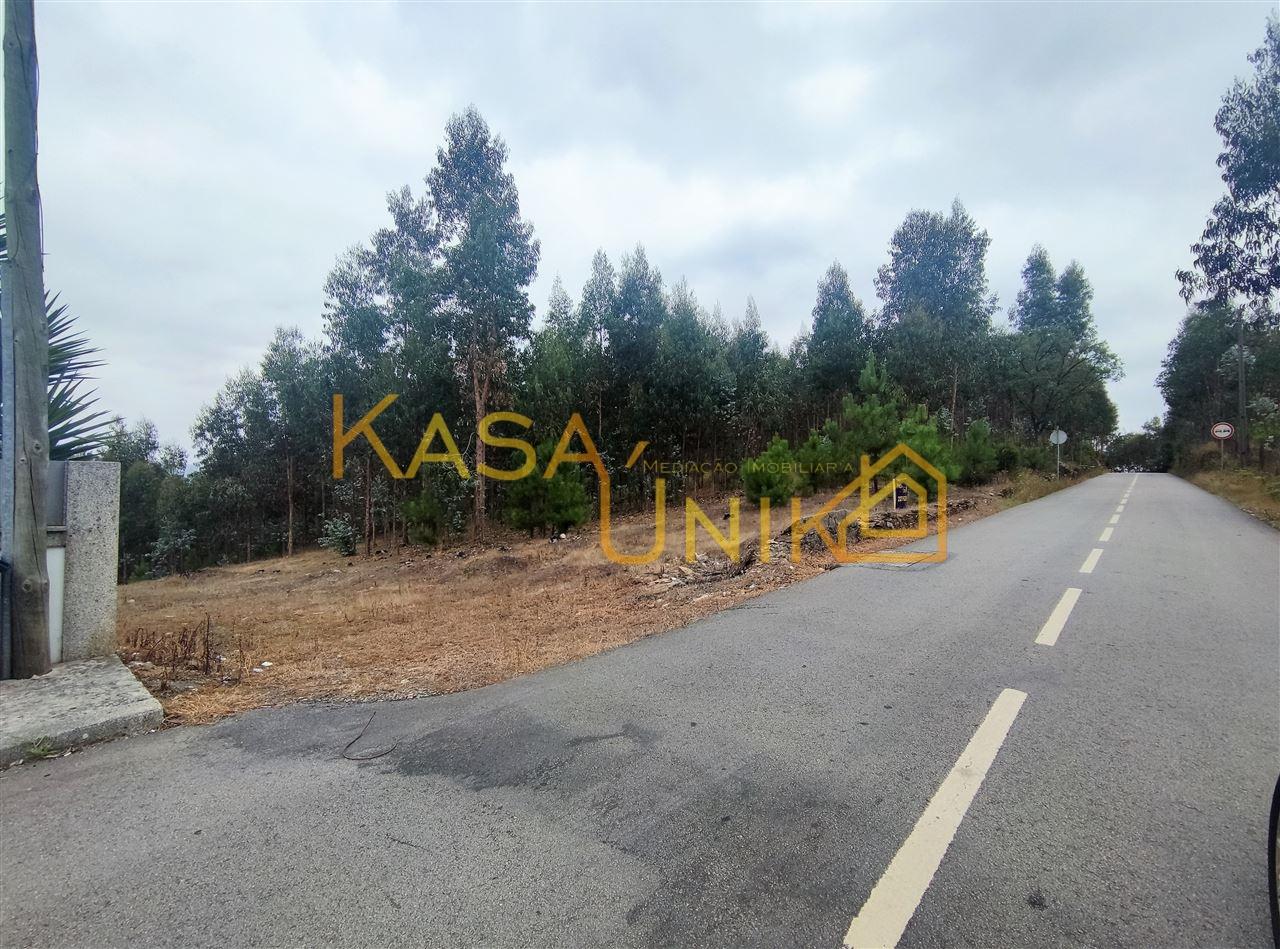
column 1056, row 438
column 1223, row 430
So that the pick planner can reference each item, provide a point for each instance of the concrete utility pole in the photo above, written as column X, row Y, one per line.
column 24, row 316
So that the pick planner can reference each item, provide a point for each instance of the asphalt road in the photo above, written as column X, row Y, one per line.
column 747, row 780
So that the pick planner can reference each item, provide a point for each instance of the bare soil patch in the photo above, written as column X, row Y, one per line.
column 414, row 621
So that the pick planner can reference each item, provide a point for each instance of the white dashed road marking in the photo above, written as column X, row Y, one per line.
column 1058, row 618
column 1106, row 535
column 885, row 914
column 1091, row 561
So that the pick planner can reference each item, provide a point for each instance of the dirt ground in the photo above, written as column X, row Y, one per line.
column 414, row 621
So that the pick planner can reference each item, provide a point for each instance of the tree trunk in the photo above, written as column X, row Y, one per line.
column 480, row 376
column 955, row 385
column 1242, row 402
column 368, row 506
column 24, row 313
column 289, row 483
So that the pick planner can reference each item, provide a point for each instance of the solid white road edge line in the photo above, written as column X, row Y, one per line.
column 885, row 914
column 1106, row 535
column 1091, row 561
column 1053, row 626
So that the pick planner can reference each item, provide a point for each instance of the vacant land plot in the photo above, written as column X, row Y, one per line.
column 412, row 621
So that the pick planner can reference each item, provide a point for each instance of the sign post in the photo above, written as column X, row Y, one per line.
column 1056, row 438
column 1222, row 431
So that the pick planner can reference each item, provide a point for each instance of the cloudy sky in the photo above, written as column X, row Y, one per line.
column 203, row 164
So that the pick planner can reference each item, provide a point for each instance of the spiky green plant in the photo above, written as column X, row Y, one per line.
column 76, row 428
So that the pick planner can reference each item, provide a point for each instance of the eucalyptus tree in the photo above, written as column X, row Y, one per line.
column 490, row 258
column 839, row 340
column 595, row 310
column 1055, row 366
column 937, row 306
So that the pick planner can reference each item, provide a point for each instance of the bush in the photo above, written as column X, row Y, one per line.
column 536, row 503
column 920, row 433
column 440, row 509
column 1039, row 458
column 339, row 536
column 424, row 519
column 978, row 457
column 172, row 549
column 772, row 474
column 821, row 461
column 1007, row 457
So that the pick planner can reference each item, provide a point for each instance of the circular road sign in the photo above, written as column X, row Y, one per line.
column 1223, row 430
column 1057, row 437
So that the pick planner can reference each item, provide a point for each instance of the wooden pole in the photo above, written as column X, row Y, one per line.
column 23, row 302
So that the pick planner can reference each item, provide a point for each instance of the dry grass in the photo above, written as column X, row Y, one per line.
column 412, row 621
column 1030, row 485
column 1252, row 491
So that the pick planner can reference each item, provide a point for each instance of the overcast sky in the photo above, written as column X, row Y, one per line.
column 202, row 165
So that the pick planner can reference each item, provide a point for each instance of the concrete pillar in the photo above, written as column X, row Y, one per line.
column 92, row 547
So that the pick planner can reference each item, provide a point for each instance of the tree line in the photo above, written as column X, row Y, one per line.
column 1223, row 365
column 434, row 308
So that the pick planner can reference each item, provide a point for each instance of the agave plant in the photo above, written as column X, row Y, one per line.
column 76, row 429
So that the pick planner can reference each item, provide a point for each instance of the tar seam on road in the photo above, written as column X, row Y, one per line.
column 1053, row 626
column 893, row 901
column 1091, row 561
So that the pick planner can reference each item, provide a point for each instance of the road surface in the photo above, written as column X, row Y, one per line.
column 879, row 755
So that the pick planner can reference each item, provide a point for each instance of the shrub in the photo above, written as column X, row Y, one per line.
column 424, row 519
column 1007, row 457
column 339, row 536
column 771, row 474
column 978, row 457
column 821, row 461
column 536, row 503
column 920, row 433
column 440, row 509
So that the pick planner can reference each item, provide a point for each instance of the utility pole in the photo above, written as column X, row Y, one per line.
column 24, row 316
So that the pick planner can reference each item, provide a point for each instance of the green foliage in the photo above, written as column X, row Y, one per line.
column 440, row 509
column 1007, row 456
column 339, row 536
column 920, row 432
column 172, row 549
column 823, row 459
column 77, row 429
column 434, row 307
column 771, row 474
column 872, row 420
column 838, row 346
column 536, row 503
column 977, row 456
column 1147, row 450
column 1238, row 254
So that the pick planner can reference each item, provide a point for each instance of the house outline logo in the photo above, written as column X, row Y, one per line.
column 838, row 546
